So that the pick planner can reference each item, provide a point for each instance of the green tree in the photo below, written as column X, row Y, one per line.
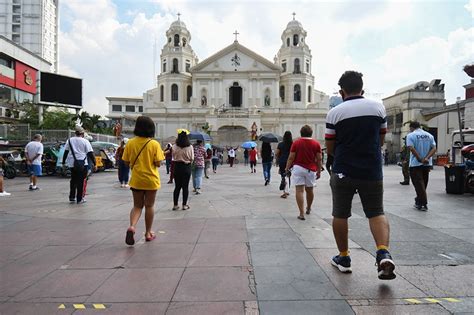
column 28, row 113
column 57, row 119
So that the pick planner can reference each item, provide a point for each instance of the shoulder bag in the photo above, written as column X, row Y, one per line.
column 79, row 165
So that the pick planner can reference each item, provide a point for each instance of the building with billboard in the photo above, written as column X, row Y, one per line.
column 234, row 93
column 19, row 76
column 34, row 25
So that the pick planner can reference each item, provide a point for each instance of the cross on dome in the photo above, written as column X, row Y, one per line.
column 294, row 14
column 179, row 14
column 236, row 33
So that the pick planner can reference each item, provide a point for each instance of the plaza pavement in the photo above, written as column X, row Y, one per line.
column 238, row 250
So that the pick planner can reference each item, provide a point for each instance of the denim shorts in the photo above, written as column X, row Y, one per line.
column 343, row 190
column 34, row 169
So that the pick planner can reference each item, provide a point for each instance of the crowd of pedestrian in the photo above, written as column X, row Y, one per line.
column 354, row 137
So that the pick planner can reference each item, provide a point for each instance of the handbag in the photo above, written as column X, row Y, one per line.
column 134, row 162
column 79, row 165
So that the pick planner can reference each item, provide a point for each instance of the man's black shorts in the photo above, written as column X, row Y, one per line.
column 343, row 190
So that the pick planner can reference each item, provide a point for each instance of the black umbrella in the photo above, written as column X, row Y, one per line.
column 197, row 135
column 270, row 137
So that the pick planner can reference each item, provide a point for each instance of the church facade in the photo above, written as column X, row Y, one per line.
column 235, row 93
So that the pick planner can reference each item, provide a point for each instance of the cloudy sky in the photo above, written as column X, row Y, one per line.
column 109, row 43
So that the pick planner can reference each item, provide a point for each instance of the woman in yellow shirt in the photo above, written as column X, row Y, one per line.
column 143, row 154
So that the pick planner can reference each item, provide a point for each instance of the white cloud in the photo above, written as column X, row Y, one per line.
column 427, row 59
column 116, row 58
column 470, row 7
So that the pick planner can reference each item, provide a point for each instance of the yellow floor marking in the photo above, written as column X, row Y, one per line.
column 451, row 300
column 61, row 306
column 433, row 300
column 79, row 306
column 413, row 301
column 99, row 306
column 161, row 232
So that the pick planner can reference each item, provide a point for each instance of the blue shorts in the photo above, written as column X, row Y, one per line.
column 35, row 170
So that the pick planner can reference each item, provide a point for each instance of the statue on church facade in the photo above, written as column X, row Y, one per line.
column 204, row 100
column 267, row 100
column 253, row 133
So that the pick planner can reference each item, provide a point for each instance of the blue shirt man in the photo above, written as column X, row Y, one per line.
column 422, row 147
column 423, row 142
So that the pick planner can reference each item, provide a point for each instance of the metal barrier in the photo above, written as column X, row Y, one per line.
column 22, row 132
column 15, row 132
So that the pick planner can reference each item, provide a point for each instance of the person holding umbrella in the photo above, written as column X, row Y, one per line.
column 267, row 159
column 253, row 160
column 197, row 169
column 282, row 154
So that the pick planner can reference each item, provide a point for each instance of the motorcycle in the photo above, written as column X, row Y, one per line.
column 468, row 154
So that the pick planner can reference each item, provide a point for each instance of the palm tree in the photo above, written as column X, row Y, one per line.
column 85, row 120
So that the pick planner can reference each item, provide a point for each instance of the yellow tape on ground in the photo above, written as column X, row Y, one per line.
column 432, row 300
column 79, row 306
column 62, row 306
column 415, row 301
column 451, row 300
column 99, row 306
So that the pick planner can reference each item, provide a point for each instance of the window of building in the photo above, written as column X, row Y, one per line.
column 295, row 39
column 307, row 67
column 283, row 65
column 176, row 40
column 116, row 108
column 16, row 19
column 175, row 66
column 184, row 41
column 130, row 108
column 174, row 92
column 297, row 66
column 288, row 42
column 297, row 93
column 309, row 94
column 188, row 66
column 390, row 122
column 164, row 66
column 399, row 120
column 282, row 93
column 162, row 93
column 189, row 93
column 140, row 109
column 16, row 38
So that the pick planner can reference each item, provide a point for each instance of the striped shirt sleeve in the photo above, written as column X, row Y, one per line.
column 383, row 125
column 330, row 133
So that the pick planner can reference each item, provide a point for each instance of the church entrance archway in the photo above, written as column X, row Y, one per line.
column 232, row 136
column 235, row 95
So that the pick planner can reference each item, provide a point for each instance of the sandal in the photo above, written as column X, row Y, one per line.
column 150, row 238
column 185, row 207
column 175, row 208
column 301, row 218
column 308, row 210
column 129, row 239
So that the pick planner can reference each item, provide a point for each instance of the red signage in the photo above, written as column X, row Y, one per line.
column 25, row 78
column 7, row 76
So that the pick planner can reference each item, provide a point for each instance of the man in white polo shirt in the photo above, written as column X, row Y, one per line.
column 33, row 154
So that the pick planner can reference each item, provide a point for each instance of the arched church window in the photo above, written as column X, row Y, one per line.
column 175, row 66
column 283, row 65
column 297, row 68
column 309, row 94
column 174, row 92
column 295, row 40
column 162, row 93
column 288, row 42
column 164, row 66
column 297, row 93
column 189, row 93
column 169, row 39
column 282, row 93
column 176, row 40
column 184, row 41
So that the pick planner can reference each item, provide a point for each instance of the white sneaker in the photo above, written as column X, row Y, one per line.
column 4, row 193
column 127, row 186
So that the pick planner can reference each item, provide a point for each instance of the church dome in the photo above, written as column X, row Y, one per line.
column 294, row 24
column 178, row 24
